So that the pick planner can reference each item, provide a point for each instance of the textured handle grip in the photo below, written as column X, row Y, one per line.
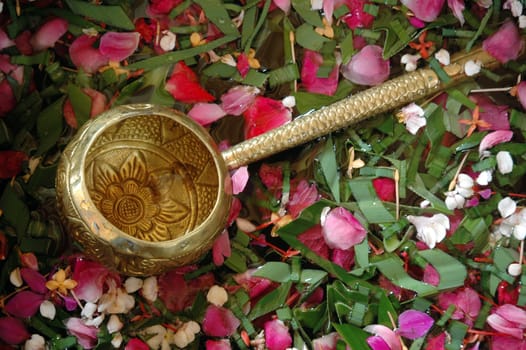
column 387, row 96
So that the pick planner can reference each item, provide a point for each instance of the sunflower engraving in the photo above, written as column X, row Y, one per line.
column 132, row 200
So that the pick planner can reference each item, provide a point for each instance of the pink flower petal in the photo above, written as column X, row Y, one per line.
column 457, row 6
column 13, row 331
column 35, row 280
column 431, row 275
column 5, row 41
column 236, row 100
column 521, row 93
column 377, row 343
column 426, row 10
column 495, row 115
column 24, row 304
column 85, row 56
column 500, row 324
column 277, row 336
column 367, row 67
column 313, row 239
column 284, row 5
column 413, row 324
column 386, row 334
column 219, row 322
column 240, row 178
column 513, row 313
column 505, row 44
column 328, row 10
column 304, row 196
column 263, row 115
column 221, row 248
column 206, row 113
column 221, row 344
column 494, row 138
column 468, row 301
column 437, row 343
column 356, row 17
column 184, row 86
column 312, row 61
column 385, row 188
column 341, row 229
column 117, row 46
column 91, row 278
column 47, row 35
column 255, row 286
column 326, row 342
column 86, row 335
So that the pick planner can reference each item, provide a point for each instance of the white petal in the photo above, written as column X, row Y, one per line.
column 88, row 310
column 472, row 68
column 514, row 269
column 36, row 342
column 181, row 339
column 167, row 42
column 289, row 101
column 116, row 341
column 504, row 162
column 522, row 22
column 506, row 206
column 16, row 278
column 150, row 289
column 413, row 124
column 484, row 178
column 133, row 284
column 316, row 4
column 47, row 309
column 465, row 181
column 519, row 232
column 443, row 57
column 217, row 295
column 442, row 220
column 114, row 324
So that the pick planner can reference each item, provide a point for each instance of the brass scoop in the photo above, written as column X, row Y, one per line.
column 144, row 189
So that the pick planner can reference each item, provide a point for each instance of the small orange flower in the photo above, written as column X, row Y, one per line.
column 474, row 122
column 423, row 46
column 60, row 283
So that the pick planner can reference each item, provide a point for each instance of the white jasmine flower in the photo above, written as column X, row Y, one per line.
column 116, row 341
column 47, row 309
column 463, row 189
column 167, row 42
column 96, row 321
column 515, row 6
column 514, row 269
column 132, row 284
column 155, row 335
column 150, row 289
column 89, row 310
column 114, row 324
column 472, row 67
column 36, row 342
column 289, row 101
column 412, row 116
column 506, row 207
column 454, row 200
column 116, row 300
column 443, row 57
column 181, row 339
column 410, row 61
column 484, row 178
column 217, row 295
column 504, row 162
column 430, row 230
column 15, row 277
column 186, row 334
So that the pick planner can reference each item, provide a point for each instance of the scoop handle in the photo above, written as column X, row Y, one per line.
column 392, row 94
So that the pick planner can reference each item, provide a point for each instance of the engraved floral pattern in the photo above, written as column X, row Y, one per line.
column 130, row 199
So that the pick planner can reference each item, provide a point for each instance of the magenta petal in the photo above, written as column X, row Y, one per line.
column 86, row 335
column 367, row 67
column 277, row 336
column 206, row 113
column 414, row 324
column 119, row 46
column 342, row 230
column 13, row 331
column 312, row 61
column 34, row 280
column 502, row 325
column 513, row 313
column 219, row 322
column 505, row 44
column 386, row 334
column 521, row 93
column 469, row 302
column 426, row 10
column 377, row 343
column 24, row 304
column 47, row 35
column 85, row 56
column 236, row 100
column 494, row 138
column 221, row 344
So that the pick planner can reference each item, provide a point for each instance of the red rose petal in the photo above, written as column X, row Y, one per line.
column 263, row 115
column 183, row 85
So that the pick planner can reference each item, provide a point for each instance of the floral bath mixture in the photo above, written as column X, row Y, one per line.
column 403, row 232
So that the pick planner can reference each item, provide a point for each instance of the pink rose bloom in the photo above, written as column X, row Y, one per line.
column 92, row 279
column 277, row 336
column 341, row 229
column 505, row 44
column 312, row 61
column 521, row 93
column 367, row 67
column 426, row 10
column 85, row 56
column 47, row 35
column 119, row 46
